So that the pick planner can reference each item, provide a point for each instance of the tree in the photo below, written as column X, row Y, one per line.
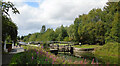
column 100, row 32
column 115, row 31
column 18, row 37
column 6, row 7
column 51, row 35
column 70, row 32
column 76, row 24
column 22, row 37
column 43, row 29
column 8, row 27
column 62, row 33
column 112, row 19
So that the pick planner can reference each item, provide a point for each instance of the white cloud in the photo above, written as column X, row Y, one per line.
column 51, row 13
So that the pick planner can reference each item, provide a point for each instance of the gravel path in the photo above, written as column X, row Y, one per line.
column 16, row 50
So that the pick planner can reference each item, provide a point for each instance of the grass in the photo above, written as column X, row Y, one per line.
column 8, row 43
column 86, row 46
column 108, row 53
column 60, row 44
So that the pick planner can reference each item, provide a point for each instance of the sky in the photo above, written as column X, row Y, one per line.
column 51, row 13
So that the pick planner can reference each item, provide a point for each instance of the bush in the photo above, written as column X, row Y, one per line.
column 30, row 57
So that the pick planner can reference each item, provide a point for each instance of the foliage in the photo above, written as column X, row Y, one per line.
column 70, row 31
column 8, row 27
column 18, row 37
column 43, row 29
column 31, row 57
column 62, row 33
column 6, row 7
column 115, row 31
column 66, row 39
column 108, row 53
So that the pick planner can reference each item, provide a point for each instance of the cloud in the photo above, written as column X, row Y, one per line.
column 51, row 13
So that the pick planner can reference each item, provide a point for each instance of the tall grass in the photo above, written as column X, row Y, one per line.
column 108, row 53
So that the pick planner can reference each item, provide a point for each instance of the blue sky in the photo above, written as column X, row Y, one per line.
column 33, row 4
column 52, row 13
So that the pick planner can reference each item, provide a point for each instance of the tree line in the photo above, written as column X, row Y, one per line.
column 97, row 27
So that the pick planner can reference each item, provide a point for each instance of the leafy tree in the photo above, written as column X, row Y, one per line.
column 70, row 32
column 100, row 32
column 43, row 29
column 6, row 7
column 62, row 34
column 18, row 37
column 115, row 31
column 91, row 33
column 8, row 27
column 51, row 35
column 22, row 37
column 76, row 24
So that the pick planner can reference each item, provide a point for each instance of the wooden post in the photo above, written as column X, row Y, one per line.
column 58, row 47
column 64, row 49
column 71, row 50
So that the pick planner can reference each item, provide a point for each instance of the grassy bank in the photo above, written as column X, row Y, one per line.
column 87, row 46
column 60, row 44
column 108, row 53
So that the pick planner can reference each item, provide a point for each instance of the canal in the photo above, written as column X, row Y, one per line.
column 79, row 55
